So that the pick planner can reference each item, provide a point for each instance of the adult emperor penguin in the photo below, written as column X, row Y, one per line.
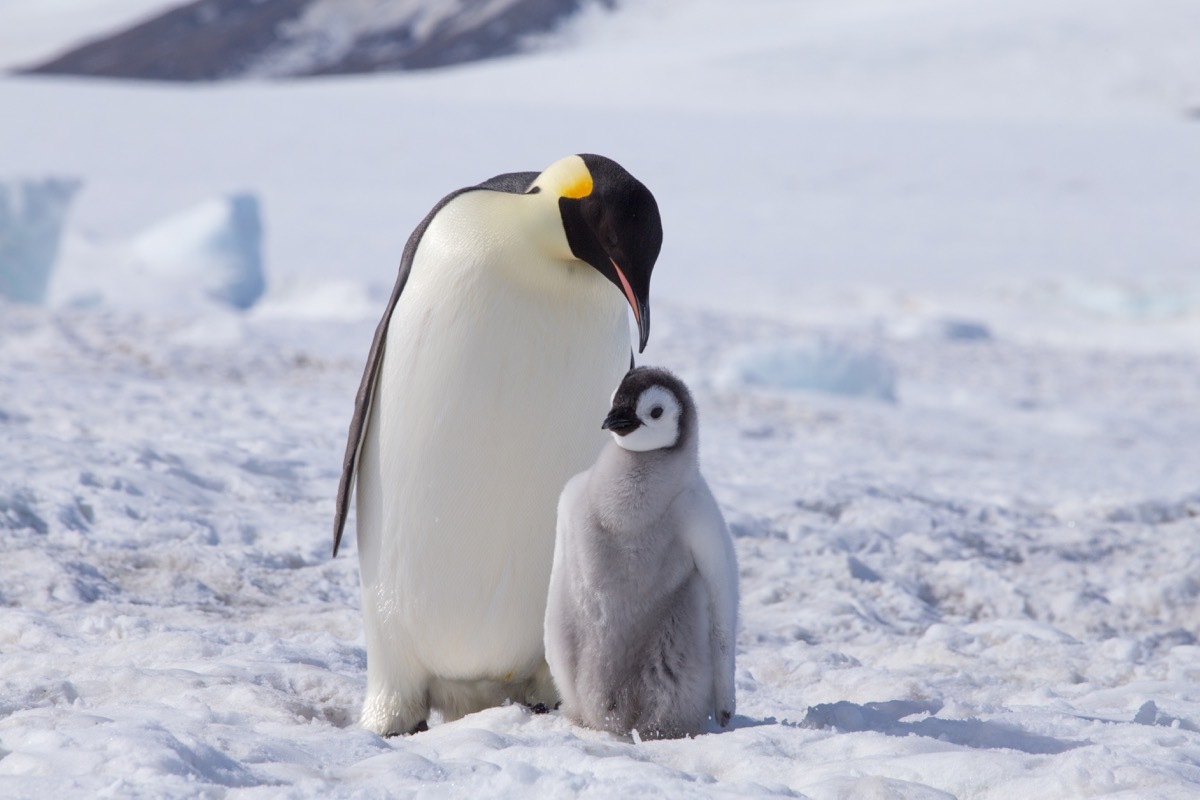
column 642, row 608
column 505, row 331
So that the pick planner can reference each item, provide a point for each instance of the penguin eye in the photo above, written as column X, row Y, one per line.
column 656, row 412
column 610, row 235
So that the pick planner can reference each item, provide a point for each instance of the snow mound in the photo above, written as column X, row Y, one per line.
column 31, row 224
column 819, row 365
column 209, row 254
column 216, row 246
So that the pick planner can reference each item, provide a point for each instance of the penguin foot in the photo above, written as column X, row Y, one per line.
column 540, row 708
column 420, row 727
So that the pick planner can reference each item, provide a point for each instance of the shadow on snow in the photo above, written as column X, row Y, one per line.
column 889, row 718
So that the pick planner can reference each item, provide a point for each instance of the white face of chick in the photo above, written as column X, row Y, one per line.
column 657, row 413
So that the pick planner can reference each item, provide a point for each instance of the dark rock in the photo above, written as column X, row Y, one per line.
column 221, row 39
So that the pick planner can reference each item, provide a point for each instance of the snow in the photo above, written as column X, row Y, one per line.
column 822, row 365
column 984, row 587
column 987, row 619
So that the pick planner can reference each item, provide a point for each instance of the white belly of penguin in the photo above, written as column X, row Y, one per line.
column 489, row 398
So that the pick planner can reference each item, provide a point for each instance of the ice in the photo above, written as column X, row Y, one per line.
column 209, row 254
column 1131, row 300
column 32, row 216
column 965, row 330
column 819, row 364
column 215, row 247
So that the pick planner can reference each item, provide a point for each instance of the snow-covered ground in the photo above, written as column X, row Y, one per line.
column 934, row 274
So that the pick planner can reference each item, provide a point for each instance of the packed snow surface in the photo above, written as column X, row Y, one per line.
column 986, row 588
column 971, row 572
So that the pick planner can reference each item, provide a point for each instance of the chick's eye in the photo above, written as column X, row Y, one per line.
column 656, row 412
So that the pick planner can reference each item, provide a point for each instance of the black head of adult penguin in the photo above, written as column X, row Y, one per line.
column 612, row 223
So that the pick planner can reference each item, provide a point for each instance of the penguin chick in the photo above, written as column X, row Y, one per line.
column 642, row 608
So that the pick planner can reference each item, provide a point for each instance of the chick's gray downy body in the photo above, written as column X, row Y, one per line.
column 642, row 607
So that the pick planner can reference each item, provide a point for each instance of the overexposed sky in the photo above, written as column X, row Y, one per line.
column 32, row 30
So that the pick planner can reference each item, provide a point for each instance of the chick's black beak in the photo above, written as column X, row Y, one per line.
column 621, row 421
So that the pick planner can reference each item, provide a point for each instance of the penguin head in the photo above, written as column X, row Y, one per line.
column 611, row 222
column 651, row 410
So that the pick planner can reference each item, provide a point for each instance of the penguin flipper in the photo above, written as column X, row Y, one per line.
column 509, row 182
column 707, row 536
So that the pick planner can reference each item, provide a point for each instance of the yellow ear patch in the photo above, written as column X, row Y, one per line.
column 567, row 177
column 581, row 187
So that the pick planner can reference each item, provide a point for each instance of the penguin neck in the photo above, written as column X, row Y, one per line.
column 519, row 238
column 631, row 490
